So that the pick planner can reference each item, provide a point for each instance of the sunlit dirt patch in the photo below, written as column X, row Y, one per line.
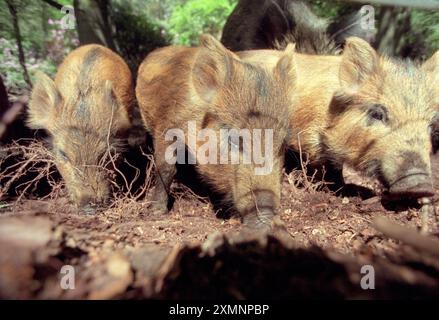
column 100, row 245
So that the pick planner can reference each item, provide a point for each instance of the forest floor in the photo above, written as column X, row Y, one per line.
column 125, row 252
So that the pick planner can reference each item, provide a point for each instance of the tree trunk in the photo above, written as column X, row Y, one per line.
column 13, row 11
column 54, row 4
column 93, row 22
column 390, row 39
column 4, row 101
column 44, row 26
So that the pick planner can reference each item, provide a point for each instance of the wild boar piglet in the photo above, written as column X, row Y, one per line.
column 231, row 116
column 384, row 120
column 86, row 111
column 377, row 114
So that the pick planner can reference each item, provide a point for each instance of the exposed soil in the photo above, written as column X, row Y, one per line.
column 122, row 253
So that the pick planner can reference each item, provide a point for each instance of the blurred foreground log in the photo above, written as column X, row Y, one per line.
column 417, row 241
column 237, row 266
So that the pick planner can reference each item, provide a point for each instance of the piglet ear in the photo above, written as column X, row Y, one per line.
column 43, row 103
column 432, row 64
column 431, row 67
column 209, row 42
column 286, row 66
column 119, row 114
column 213, row 66
column 358, row 62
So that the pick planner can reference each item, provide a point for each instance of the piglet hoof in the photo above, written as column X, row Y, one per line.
column 88, row 209
column 158, row 209
column 258, row 221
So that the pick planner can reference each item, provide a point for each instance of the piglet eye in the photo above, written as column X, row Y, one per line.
column 63, row 155
column 435, row 141
column 377, row 112
column 434, row 133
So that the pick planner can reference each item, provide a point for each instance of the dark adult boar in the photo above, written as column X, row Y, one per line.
column 376, row 114
column 86, row 111
column 214, row 88
column 272, row 24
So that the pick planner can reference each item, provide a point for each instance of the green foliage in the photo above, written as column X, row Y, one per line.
column 423, row 38
column 135, row 34
column 159, row 10
column 426, row 23
column 327, row 9
column 195, row 17
column 44, row 42
column 143, row 25
column 11, row 70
